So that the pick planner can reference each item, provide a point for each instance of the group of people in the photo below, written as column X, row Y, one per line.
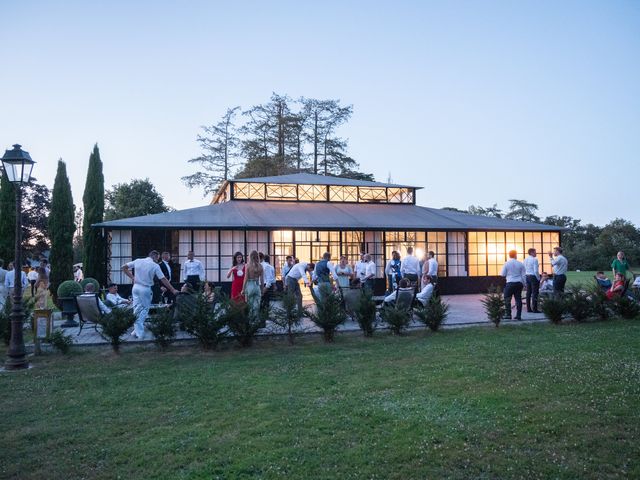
column 527, row 274
column 37, row 277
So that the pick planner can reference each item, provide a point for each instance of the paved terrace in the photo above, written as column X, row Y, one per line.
column 464, row 311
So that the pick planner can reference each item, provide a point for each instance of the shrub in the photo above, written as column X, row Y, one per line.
column 69, row 288
column 626, row 307
column 28, row 305
column 578, row 303
column 163, row 327
column 206, row 322
column 115, row 324
column 600, row 304
column 290, row 315
column 434, row 313
column 328, row 314
column 366, row 313
column 86, row 281
column 60, row 341
column 243, row 325
column 398, row 319
column 554, row 307
column 493, row 302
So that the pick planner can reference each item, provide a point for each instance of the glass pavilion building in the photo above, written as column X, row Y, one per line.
column 305, row 215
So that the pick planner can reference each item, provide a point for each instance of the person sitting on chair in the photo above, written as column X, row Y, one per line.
column 546, row 285
column 114, row 299
column 617, row 288
column 427, row 290
column 603, row 281
column 403, row 286
column 91, row 289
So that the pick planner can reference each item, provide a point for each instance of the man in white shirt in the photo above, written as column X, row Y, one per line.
column 269, row 278
column 3, row 290
column 560, row 266
column 360, row 269
column 370, row 273
column 288, row 263
column 114, row 298
column 298, row 271
column 32, row 276
column 9, row 280
column 145, row 270
column 514, row 272
column 432, row 266
column 410, row 268
column 192, row 271
column 427, row 290
column 532, row 271
column 78, row 276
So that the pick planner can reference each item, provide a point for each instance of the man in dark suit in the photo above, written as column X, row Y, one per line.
column 166, row 265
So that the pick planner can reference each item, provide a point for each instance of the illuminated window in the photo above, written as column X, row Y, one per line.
column 400, row 195
column 372, row 194
column 281, row 192
column 315, row 193
column 249, row 191
column 343, row 194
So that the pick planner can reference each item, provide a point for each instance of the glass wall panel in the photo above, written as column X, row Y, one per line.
column 456, row 254
column 282, row 245
column 121, row 253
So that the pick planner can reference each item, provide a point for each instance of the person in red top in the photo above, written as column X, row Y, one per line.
column 238, row 272
column 617, row 288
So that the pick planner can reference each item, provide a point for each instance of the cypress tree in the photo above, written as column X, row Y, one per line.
column 93, row 199
column 7, row 219
column 61, row 230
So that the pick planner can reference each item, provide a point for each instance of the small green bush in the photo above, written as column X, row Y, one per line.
column 578, row 303
column 626, row 307
column 290, row 315
column 554, row 307
column 434, row 314
column 600, row 304
column 366, row 313
column 494, row 307
column 328, row 314
column 28, row 305
column 69, row 288
column 115, row 324
column 398, row 319
column 93, row 281
column 243, row 325
column 206, row 322
column 163, row 327
column 60, row 341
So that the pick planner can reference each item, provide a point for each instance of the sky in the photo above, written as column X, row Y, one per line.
column 477, row 101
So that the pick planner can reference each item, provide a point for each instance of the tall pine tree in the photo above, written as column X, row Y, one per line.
column 7, row 219
column 93, row 259
column 61, row 229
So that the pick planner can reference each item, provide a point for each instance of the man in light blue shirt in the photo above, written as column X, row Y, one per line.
column 514, row 272
column 532, row 271
column 560, row 266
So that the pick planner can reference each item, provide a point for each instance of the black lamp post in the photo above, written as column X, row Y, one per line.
column 17, row 165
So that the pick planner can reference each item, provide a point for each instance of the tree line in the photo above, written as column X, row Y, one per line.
column 277, row 137
column 587, row 246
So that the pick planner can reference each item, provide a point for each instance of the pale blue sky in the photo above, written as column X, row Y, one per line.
column 463, row 98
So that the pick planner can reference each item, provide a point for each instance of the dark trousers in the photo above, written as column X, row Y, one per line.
column 513, row 289
column 33, row 287
column 533, row 287
column 194, row 280
column 558, row 283
column 294, row 287
column 368, row 284
column 265, row 301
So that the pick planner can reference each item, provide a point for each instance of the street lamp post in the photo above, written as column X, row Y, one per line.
column 17, row 165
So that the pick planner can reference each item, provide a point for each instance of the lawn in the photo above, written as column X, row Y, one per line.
column 528, row 401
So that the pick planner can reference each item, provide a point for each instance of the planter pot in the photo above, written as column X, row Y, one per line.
column 68, row 307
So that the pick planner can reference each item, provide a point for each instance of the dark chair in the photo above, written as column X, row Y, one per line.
column 350, row 299
column 405, row 298
column 88, row 308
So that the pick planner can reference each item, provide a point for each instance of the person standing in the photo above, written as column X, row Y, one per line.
column 269, row 277
column 621, row 265
column 32, row 276
column 144, row 272
column 532, row 272
column 560, row 266
column 360, row 269
column 514, row 272
column 432, row 266
column 192, row 271
column 344, row 272
column 9, row 280
column 324, row 270
column 288, row 263
column 370, row 273
column 42, row 285
column 410, row 268
column 237, row 271
column 3, row 290
column 252, row 286
column 392, row 271
column 299, row 271
column 78, row 275
column 166, row 266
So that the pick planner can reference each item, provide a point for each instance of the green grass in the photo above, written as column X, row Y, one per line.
column 529, row 401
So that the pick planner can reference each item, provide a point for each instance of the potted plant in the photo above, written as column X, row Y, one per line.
column 67, row 292
column 96, row 284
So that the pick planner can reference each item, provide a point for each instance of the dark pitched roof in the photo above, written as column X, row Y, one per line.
column 311, row 179
column 247, row 214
